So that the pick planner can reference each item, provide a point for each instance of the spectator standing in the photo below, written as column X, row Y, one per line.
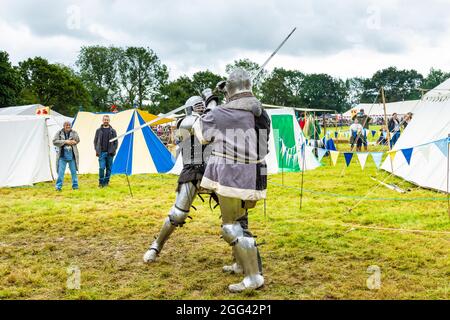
column 394, row 129
column 364, row 120
column 407, row 119
column 383, row 136
column 356, row 132
column 105, row 150
column 66, row 141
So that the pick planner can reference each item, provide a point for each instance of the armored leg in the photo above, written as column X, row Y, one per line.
column 244, row 246
column 176, row 218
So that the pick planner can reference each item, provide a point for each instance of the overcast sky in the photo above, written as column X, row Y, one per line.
column 343, row 38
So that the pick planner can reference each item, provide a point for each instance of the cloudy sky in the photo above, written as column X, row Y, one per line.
column 343, row 38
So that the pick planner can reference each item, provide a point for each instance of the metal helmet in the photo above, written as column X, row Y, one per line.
column 238, row 81
column 196, row 104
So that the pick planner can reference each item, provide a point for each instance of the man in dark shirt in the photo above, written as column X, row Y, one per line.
column 364, row 120
column 105, row 150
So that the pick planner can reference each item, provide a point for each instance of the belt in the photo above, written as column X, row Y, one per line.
column 240, row 160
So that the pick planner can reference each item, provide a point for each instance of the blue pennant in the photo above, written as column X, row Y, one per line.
column 443, row 146
column 321, row 153
column 377, row 157
column 348, row 157
column 373, row 133
column 407, row 153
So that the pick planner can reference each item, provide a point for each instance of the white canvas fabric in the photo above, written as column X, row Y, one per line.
column 431, row 122
column 377, row 109
column 30, row 110
column 28, row 155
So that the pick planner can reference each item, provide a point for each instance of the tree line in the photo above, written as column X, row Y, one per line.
column 136, row 77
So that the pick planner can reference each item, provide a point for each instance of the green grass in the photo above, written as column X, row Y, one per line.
column 312, row 253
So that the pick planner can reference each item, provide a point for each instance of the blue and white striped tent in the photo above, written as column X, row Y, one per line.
column 139, row 152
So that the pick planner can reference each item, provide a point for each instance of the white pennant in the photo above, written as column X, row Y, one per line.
column 362, row 157
column 425, row 151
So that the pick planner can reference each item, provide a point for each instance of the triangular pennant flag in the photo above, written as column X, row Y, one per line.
column 348, row 157
column 373, row 133
column 407, row 153
column 320, row 153
column 362, row 157
column 442, row 146
column 377, row 157
column 392, row 154
column 425, row 151
column 334, row 156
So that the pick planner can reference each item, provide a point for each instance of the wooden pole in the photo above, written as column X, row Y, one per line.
column 383, row 98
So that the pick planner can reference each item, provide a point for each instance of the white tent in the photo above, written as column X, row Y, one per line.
column 377, row 109
column 30, row 110
column 28, row 154
column 431, row 122
column 139, row 152
column 285, row 141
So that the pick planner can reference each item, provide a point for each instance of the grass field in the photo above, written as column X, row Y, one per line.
column 322, row 251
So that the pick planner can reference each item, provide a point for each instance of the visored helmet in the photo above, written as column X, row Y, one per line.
column 238, row 81
column 196, row 104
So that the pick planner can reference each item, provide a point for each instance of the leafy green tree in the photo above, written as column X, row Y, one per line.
column 252, row 68
column 324, row 92
column 141, row 75
column 435, row 78
column 98, row 67
column 10, row 82
column 282, row 87
column 173, row 94
column 53, row 85
column 398, row 85
column 205, row 79
column 355, row 91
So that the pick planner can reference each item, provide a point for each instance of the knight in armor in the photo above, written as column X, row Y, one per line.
column 237, row 132
column 194, row 156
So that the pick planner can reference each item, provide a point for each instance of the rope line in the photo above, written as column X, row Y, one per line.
column 337, row 195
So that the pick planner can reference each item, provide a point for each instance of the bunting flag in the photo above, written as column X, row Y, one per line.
column 442, row 146
column 348, row 157
column 407, row 153
column 373, row 133
column 377, row 157
column 392, row 154
column 321, row 153
column 425, row 151
column 334, row 156
column 362, row 157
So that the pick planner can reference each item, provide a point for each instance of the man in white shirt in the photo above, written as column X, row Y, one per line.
column 356, row 134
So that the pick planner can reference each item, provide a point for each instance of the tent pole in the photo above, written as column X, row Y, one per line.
column 386, row 124
column 129, row 186
column 303, row 173
column 49, row 154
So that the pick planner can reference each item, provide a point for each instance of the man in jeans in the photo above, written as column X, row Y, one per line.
column 105, row 150
column 66, row 140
